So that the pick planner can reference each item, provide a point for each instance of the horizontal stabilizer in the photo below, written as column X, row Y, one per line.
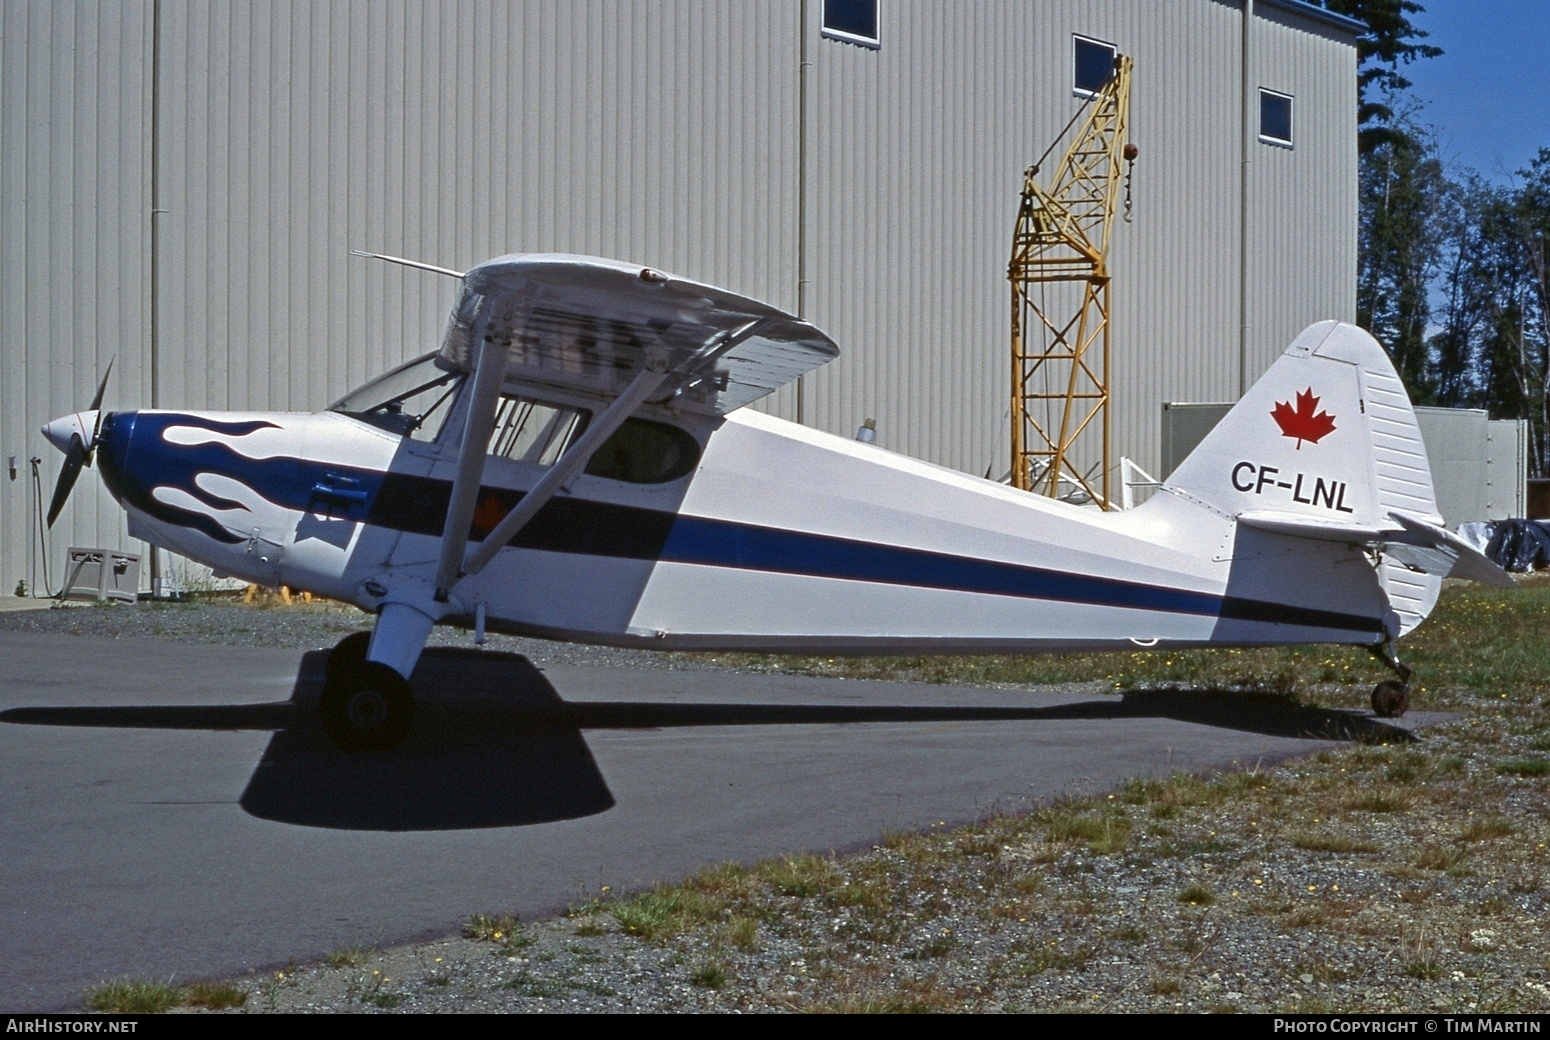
column 1465, row 561
column 1316, row 527
column 1418, row 544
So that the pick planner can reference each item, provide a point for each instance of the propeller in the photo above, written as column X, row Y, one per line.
column 68, row 434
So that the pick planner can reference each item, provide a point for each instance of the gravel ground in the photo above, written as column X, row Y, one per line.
column 1364, row 878
column 311, row 626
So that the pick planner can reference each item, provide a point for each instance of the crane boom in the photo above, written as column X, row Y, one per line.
column 1060, row 304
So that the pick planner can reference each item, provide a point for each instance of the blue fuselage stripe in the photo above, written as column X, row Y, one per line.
column 418, row 505
column 720, row 543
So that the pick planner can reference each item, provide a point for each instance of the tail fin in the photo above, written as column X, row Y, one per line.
column 1326, row 446
column 1327, row 433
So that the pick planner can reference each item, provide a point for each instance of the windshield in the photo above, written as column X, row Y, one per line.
column 412, row 400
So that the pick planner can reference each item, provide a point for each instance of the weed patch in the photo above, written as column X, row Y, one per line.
column 804, row 875
column 1104, row 830
column 134, row 997
column 1333, row 841
column 1486, row 828
column 1196, row 895
column 1380, row 800
column 1524, row 767
column 217, row 996
column 352, row 955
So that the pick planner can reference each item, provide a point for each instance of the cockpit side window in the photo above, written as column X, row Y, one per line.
column 416, row 399
column 412, row 401
column 639, row 452
column 645, row 452
column 531, row 431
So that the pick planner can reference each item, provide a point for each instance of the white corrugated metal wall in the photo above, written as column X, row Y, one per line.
column 669, row 133
column 74, row 237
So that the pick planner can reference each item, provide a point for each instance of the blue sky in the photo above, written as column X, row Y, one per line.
column 1488, row 96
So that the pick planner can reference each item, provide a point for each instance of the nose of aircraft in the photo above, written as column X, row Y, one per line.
column 77, row 425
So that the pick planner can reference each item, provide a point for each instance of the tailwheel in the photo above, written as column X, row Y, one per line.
column 366, row 706
column 1390, row 699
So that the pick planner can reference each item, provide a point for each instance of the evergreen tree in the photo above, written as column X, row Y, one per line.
column 1389, row 42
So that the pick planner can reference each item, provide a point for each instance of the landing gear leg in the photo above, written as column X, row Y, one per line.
column 367, row 703
column 1391, row 698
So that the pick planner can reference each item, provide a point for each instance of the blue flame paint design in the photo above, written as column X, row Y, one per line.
column 137, row 459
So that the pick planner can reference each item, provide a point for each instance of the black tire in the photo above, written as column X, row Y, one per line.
column 368, row 707
column 1390, row 699
column 347, row 655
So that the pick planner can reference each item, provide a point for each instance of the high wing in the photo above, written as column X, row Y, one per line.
column 628, row 333
column 587, row 324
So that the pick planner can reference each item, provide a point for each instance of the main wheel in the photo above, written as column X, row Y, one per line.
column 347, row 655
column 368, row 707
column 1390, row 699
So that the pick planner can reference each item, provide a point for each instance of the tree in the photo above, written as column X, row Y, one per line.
column 1465, row 303
column 1493, row 348
column 1389, row 42
column 1401, row 191
column 1402, row 196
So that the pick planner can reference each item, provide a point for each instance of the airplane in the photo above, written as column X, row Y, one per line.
column 578, row 462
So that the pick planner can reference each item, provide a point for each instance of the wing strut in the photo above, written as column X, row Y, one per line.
column 489, row 374
column 566, row 467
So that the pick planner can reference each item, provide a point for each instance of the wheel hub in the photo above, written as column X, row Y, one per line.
column 367, row 709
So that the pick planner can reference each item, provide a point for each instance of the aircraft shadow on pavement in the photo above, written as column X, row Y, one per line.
column 494, row 745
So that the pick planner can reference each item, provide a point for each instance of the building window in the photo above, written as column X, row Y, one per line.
column 854, row 21
column 1092, row 65
column 1275, row 118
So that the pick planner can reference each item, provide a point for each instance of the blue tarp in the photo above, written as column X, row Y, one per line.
column 1518, row 545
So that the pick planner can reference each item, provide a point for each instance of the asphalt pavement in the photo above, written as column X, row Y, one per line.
column 174, row 811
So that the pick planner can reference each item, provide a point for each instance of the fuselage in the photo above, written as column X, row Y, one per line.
column 778, row 537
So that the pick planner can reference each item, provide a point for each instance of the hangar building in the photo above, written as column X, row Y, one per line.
column 181, row 182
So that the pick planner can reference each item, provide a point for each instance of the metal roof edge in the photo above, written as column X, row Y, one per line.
column 1307, row 9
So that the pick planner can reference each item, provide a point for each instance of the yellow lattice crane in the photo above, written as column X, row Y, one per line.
column 1060, row 303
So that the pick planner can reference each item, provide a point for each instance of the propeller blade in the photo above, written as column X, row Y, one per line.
column 80, row 453
column 96, row 401
column 96, row 406
column 67, row 478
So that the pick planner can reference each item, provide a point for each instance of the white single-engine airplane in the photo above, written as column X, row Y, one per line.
column 575, row 462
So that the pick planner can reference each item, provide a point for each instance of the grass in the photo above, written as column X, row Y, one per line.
column 140, row 997
column 1487, row 828
column 217, row 996
column 664, row 913
column 1333, row 841
column 134, row 997
column 801, row 876
column 1420, row 959
column 349, row 955
column 1196, row 895
column 504, row 930
column 1102, row 829
column 1524, row 767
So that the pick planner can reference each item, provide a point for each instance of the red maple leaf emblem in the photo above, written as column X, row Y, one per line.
column 1301, row 422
